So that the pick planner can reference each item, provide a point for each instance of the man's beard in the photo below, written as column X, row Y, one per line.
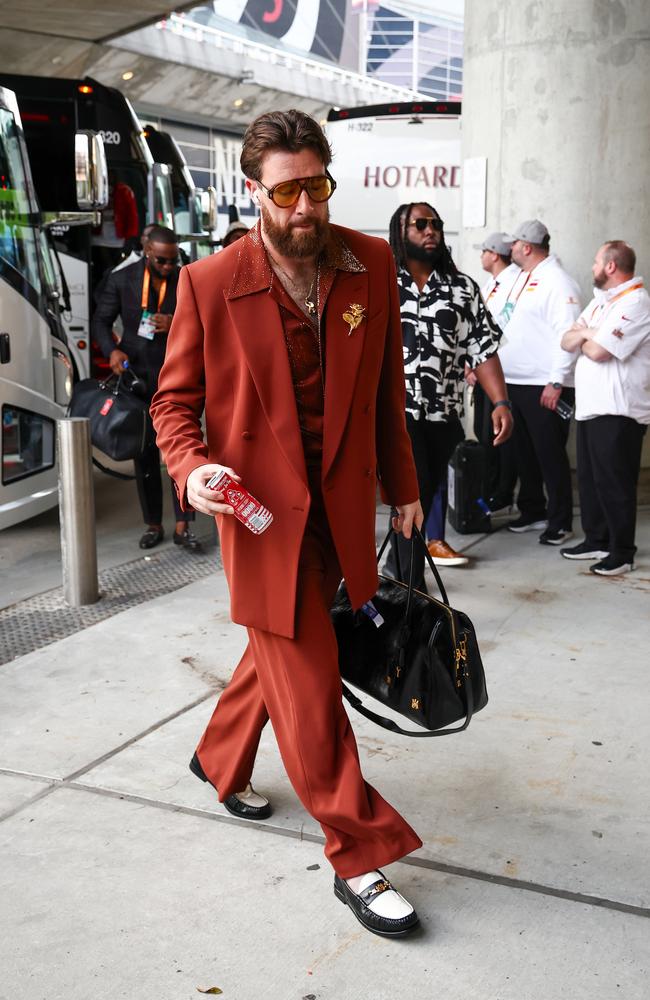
column 431, row 257
column 600, row 279
column 292, row 242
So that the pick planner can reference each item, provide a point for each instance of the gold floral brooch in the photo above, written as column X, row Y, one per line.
column 354, row 316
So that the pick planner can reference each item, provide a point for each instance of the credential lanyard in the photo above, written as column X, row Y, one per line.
column 162, row 291
column 522, row 289
column 606, row 306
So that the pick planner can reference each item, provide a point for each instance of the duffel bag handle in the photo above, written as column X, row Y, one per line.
column 432, row 566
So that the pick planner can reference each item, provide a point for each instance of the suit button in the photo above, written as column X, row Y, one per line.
column 246, row 435
column 369, row 473
column 366, row 409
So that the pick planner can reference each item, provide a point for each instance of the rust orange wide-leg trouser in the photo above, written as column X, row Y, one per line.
column 296, row 683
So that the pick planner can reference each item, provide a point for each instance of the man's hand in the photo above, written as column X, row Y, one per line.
column 550, row 397
column 116, row 361
column 407, row 514
column 470, row 375
column 502, row 424
column 203, row 499
column 161, row 322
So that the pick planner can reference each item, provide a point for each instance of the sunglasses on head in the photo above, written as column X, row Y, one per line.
column 166, row 260
column 287, row 193
column 422, row 223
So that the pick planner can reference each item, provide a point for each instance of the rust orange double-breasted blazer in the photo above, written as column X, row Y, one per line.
column 226, row 355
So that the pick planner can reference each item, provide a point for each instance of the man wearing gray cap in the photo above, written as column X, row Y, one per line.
column 496, row 259
column 543, row 302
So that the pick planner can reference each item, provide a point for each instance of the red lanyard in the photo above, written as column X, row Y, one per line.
column 162, row 291
column 607, row 305
column 523, row 287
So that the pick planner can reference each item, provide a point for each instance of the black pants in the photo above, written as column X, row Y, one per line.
column 609, row 459
column 502, row 460
column 540, row 441
column 433, row 443
column 149, row 482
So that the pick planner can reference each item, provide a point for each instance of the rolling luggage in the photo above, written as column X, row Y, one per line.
column 466, row 483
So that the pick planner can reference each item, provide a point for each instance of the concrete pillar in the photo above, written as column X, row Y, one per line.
column 555, row 96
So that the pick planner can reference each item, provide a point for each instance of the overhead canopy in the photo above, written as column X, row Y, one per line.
column 83, row 21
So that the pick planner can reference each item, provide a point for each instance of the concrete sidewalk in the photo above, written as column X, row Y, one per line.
column 123, row 877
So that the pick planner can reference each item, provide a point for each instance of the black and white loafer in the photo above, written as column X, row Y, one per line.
column 245, row 805
column 360, row 904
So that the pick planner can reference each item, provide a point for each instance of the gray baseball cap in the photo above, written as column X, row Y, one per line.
column 497, row 243
column 531, row 231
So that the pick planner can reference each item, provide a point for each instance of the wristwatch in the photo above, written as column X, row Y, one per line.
column 557, row 385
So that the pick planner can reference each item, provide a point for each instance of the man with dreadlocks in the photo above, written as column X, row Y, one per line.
column 444, row 326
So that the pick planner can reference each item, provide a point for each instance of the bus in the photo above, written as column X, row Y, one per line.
column 36, row 372
column 187, row 198
column 53, row 110
column 389, row 154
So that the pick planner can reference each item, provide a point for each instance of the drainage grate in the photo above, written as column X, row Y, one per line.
column 40, row 620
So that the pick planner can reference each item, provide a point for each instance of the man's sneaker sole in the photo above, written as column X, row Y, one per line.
column 454, row 561
column 565, row 536
column 594, row 554
column 615, row 571
column 533, row 526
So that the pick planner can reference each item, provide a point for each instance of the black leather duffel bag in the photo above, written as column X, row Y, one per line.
column 118, row 415
column 421, row 660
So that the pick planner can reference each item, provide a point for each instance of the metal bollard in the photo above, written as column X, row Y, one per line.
column 77, row 511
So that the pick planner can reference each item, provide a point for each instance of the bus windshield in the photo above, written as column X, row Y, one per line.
column 18, row 239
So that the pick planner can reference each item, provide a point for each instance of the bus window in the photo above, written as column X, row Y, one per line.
column 163, row 202
column 18, row 246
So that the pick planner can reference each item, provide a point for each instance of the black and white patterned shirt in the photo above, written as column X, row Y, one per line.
column 443, row 326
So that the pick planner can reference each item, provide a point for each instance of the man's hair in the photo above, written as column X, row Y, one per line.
column 398, row 227
column 545, row 245
column 505, row 257
column 288, row 131
column 622, row 254
column 161, row 234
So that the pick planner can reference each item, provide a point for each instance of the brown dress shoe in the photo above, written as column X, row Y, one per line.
column 443, row 554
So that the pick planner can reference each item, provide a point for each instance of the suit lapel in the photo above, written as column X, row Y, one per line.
column 343, row 357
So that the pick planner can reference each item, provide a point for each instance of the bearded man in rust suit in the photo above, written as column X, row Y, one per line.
column 290, row 341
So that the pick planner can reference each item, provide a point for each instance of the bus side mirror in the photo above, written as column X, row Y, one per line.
column 209, row 209
column 91, row 171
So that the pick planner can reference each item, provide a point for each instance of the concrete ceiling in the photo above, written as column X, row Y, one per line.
column 167, row 74
column 84, row 20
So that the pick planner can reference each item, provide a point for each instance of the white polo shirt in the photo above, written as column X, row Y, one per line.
column 495, row 290
column 539, row 308
column 619, row 386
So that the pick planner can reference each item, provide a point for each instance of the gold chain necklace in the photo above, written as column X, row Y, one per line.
column 308, row 299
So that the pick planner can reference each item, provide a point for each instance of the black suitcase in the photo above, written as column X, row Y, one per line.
column 466, row 479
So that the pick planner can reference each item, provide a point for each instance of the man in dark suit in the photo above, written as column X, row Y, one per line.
column 144, row 295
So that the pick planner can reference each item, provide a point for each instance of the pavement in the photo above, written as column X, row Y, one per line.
column 122, row 876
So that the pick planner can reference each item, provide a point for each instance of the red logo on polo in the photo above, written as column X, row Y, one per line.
column 106, row 407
